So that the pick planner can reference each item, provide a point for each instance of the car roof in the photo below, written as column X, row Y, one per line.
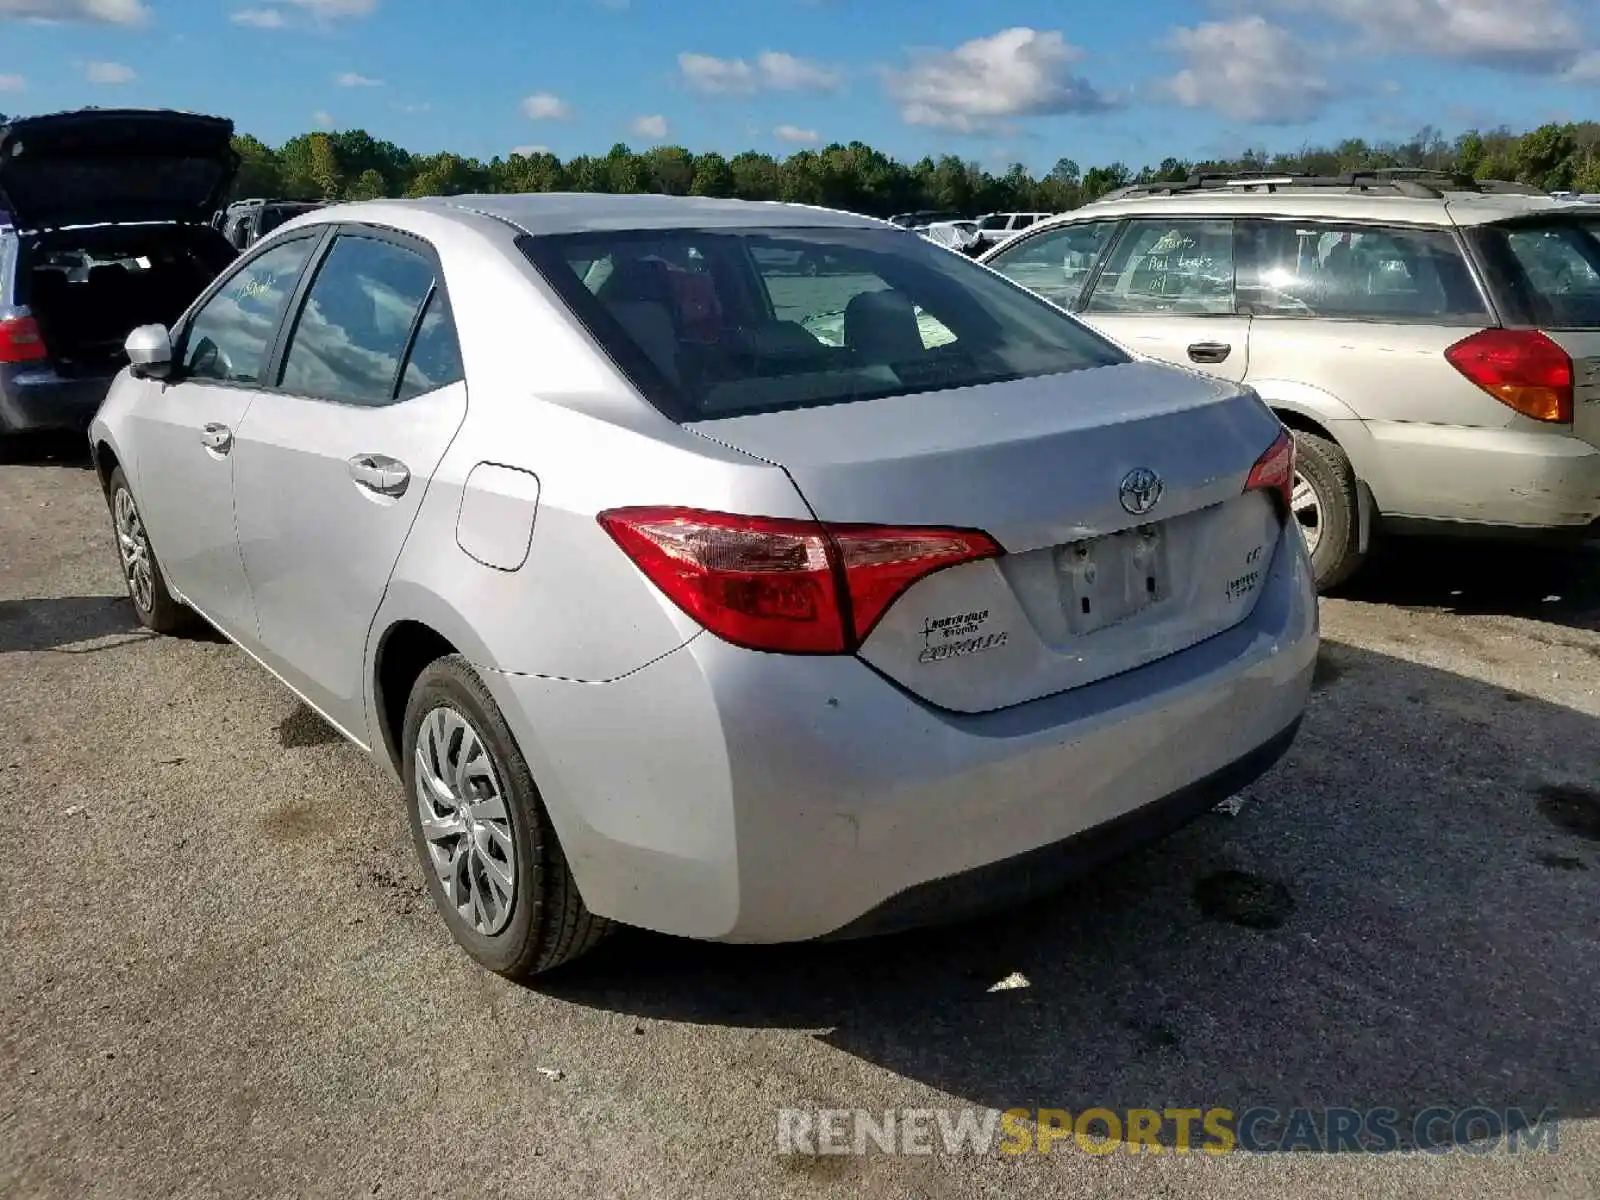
column 583, row 212
column 1453, row 208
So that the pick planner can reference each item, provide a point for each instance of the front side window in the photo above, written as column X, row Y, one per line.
column 1055, row 263
column 1356, row 272
column 1177, row 267
column 229, row 338
column 351, row 335
column 713, row 323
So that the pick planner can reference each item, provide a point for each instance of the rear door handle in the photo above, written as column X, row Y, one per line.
column 216, row 437
column 380, row 473
column 1210, row 352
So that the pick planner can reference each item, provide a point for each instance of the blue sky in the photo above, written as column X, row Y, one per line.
column 1004, row 80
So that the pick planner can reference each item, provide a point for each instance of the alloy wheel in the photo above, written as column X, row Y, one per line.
column 1307, row 508
column 134, row 546
column 465, row 820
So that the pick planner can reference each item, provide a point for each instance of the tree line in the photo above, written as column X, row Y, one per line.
column 352, row 165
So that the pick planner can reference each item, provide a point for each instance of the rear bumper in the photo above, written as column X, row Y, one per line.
column 1492, row 477
column 722, row 793
column 33, row 397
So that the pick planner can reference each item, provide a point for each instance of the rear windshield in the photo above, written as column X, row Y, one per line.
column 1555, row 268
column 731, row 322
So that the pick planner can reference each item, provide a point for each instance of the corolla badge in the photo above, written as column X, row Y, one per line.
column 1140, row 490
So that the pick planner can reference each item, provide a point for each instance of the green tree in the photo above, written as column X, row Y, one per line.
column 326, row 170
column 260, row 172
column 1544, row 157
column 369, row 185
column 713, row 176
column 669, row 170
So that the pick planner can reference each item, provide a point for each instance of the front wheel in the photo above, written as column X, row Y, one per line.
column 494, row 868
column 147, row 587
column 1326, row 506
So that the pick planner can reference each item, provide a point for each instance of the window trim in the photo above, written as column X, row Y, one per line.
column 1128, row 225
column 185, row 324
column 405, row 240
column 1489, row 316
column 1040, row 230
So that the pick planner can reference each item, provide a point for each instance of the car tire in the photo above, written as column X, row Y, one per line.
column 153, row 603
column 455, row 736
column 1325, row 476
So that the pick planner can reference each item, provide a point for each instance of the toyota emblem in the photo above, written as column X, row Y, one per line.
column 1140, row 490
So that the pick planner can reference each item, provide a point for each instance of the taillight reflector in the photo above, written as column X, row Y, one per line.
column 791, row 586
column 1274, row 472
column 20, row 340
column 1521, row 368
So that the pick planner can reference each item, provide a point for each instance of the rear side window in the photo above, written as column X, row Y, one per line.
column 435, row 358
column 229, row 337
column 1553, row 270
column 716, row 323
column 1174, row 267
column 1356, row 272
column 351, row 336
column 1055, row 263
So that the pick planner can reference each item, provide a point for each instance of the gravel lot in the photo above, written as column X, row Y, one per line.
column 219, row 974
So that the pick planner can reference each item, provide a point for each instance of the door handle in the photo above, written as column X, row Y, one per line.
column 216, row 437
column 380, row 473
column 1209, row 352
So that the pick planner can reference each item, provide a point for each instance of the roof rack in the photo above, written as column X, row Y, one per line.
column 1416, row 182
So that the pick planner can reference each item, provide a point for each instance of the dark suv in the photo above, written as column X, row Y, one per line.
column 246, row 222
column 109, row 229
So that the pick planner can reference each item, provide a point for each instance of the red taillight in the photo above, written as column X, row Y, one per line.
column 772, row 583
column 20, row 340
column 1519, row 367
column 1274, row 472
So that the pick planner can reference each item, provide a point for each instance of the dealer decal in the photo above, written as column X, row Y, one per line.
column 957, row 636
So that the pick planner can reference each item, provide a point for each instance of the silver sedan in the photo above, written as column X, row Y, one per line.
column 741, row 571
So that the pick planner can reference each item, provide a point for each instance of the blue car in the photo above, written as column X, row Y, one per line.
column 104, row 226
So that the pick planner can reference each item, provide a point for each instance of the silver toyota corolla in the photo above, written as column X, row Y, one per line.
column 740, row 571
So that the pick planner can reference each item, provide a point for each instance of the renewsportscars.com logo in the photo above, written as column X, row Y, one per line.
column 1213, row 1131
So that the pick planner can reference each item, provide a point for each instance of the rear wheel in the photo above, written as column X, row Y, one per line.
column 1326, row 507
column 494, row 868
column 147, row 587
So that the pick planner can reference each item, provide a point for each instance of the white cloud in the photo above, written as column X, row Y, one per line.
column 1526, row 35
column 650, row 127
column 545, row 106
column 108, row 72
column 1586, row 69
column 528, row 151
column 258, row 18
column 13, row 83
column 1249, row 69
column 93, row 12
column 351, row 79
column 786, row 73
column 323, row 119
column 333, row 10
column 773, row 70
column 1017, row 72
column 793, row 133
column 413, row 107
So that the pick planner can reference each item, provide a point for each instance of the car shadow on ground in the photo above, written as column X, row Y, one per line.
column 1402, row 915
column 46, row 450
column 62, row 623
column 1477, row 578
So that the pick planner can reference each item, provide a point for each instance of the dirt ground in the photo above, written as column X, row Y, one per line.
column 220, row 975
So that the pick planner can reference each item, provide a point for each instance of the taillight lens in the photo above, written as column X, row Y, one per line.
column 20, row 340
column 772, row 583
column 1274, row 472
column 1519, row 367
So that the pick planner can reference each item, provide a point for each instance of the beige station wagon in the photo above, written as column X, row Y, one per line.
column 1433, row 343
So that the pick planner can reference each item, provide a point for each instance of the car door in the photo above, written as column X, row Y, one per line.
column 185, row 430
column 333, row 462
column 1055, row 262
column 1166, row 290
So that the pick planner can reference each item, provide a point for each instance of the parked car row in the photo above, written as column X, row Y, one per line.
column 808, row 580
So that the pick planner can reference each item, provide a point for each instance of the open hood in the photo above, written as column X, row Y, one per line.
column 114, row 166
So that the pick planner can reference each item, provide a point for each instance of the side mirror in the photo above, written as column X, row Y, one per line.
column 149, row 350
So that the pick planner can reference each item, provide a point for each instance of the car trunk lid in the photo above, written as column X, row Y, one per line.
column 1118, row 495
column 114, row 166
